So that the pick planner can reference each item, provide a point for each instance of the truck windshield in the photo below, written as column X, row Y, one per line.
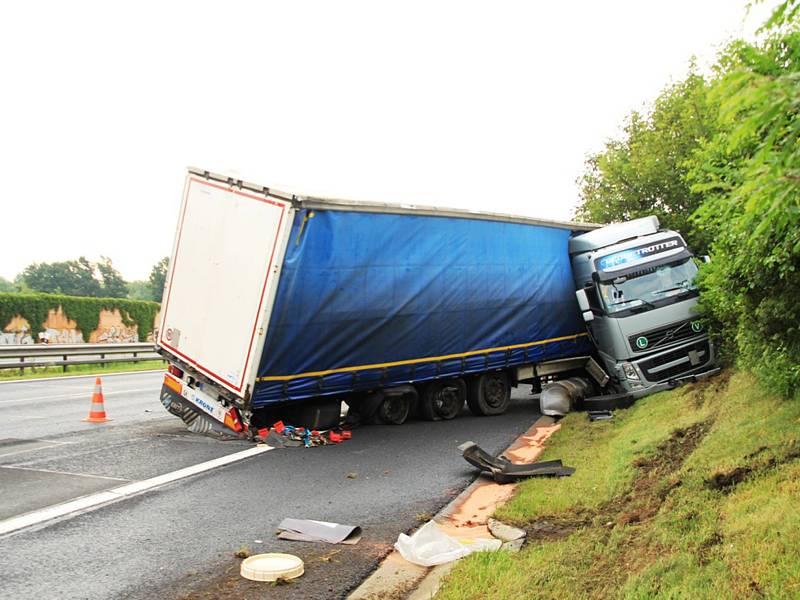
column 649, row 287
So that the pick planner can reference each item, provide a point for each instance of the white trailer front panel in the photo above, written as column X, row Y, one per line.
column 222, row 279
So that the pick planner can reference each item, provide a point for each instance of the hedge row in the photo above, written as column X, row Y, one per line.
column 84, row 311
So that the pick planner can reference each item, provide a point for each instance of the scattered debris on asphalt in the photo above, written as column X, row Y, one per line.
column 242, row 552
column 281, row 435
column 329, row 556
column 308, row 530
column 504, row 471
column 600, row 415
column 352, row 475
column 430, row 546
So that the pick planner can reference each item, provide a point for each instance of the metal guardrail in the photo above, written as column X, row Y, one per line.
column 63, row 355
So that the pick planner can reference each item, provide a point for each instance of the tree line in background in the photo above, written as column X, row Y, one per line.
column 718, row 158
column 89, row 279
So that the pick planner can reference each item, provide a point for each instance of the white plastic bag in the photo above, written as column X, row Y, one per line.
column 430, row 546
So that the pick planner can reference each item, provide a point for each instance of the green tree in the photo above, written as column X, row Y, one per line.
column 113, row 285
column 19, row 282
column 158, row 276
column 750, row 175
column 7, row 286
column 140, row 290
column 644, row 172
column 718, row 158
column 73, row 278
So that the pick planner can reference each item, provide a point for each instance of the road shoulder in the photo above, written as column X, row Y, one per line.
column 465, row 516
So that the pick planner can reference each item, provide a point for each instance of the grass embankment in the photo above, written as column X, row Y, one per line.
column 108, row 369
column 693, row 493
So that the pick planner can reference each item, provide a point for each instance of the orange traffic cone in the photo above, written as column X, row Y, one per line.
column 97, row 414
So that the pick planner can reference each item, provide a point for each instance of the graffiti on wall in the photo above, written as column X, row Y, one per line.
column 115, row 335
column 112, row 330
column 58, row 329
column 15, row 338
column 61, row 336
column 16, row 332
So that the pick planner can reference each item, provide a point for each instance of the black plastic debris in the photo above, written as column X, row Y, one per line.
column 600, row 415
column 606, row 402
column 503, row 470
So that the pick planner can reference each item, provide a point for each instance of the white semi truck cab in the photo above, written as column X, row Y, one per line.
column 636, row 290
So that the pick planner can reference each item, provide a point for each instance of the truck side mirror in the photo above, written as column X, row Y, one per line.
column 583, row 304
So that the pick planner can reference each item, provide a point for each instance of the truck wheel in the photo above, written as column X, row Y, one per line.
column 394, row 409
column 442, row 399
column 489, row 394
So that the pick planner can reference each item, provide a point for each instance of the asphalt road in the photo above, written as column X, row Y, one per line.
column 178, row 541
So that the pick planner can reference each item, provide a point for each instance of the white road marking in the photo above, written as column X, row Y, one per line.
column 51, row 445
column 46, row 379
column 63, row 473
column 93, row 450
column 86, row 395
column 93, row 501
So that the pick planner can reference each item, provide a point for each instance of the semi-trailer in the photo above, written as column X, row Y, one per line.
column 278, row 304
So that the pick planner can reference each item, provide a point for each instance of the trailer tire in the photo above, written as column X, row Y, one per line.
column 442, row 399
column 396, row 406
column 489, row 394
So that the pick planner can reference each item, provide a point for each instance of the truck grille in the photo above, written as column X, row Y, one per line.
column 646, row 341
column 678, row 362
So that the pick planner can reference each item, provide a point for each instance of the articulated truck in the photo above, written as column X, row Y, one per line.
column 278, row 305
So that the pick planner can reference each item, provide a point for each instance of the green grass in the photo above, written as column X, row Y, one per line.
column 46, row 372
column 688, row 494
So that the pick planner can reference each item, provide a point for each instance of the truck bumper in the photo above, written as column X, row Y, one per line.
column 675, row 382
column 197, row 421
column 669, row 368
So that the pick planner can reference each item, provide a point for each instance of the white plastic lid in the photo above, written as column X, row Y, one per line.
column 269, row 567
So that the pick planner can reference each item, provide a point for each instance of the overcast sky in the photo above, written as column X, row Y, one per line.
column 481, row 105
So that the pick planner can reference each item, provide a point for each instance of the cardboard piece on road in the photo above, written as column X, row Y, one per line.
column 307, row 530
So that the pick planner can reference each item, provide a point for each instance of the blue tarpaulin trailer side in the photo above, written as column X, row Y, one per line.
column 371, row 299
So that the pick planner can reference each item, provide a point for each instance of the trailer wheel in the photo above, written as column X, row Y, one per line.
column 395, row 408
column 442, row 399
column 489, row 394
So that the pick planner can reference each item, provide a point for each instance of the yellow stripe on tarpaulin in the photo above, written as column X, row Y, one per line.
column 413, row 361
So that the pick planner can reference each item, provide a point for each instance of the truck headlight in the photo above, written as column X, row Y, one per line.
column 630, row 371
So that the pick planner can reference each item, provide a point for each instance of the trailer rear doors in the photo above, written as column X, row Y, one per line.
column 222, row 278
